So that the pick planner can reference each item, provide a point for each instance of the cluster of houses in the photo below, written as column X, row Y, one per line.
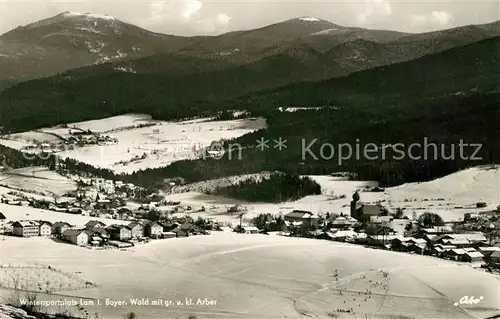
column 96, row 233
column 94, row 197
column 3, row 222
column 478, row 241
column 76, row 138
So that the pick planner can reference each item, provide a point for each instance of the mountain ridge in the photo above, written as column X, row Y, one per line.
column 64, row 42
column 403, row 103
column 252, row 86
column 72, row 40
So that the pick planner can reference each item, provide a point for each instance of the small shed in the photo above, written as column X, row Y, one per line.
column 250, row 230
column 472, row 257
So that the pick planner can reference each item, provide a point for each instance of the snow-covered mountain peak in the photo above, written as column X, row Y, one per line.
column 69, row 14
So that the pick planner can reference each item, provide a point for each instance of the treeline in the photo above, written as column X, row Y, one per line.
column 445, row 122
column 276, row 188
column 17, row 159
column 269, row 223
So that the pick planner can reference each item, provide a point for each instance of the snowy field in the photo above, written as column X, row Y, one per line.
column 160, row 142
column 451, row 196
column 36, row 180
column 258, row 276
column 15, row 213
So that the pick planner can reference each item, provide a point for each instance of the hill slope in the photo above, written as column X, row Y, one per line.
column 374, row 283
column 72, row 40
column 445, row 98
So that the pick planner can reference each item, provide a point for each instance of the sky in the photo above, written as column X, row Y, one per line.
column 208, row 17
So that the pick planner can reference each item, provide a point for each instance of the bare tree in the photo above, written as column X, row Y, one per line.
column 55, row 197
column 242, row 212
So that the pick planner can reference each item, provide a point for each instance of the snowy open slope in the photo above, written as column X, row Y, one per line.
column 217, row 206
column 88, row 15
column 451, row 196
column 266, row 277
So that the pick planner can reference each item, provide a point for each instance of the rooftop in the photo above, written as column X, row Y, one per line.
column 73, row 232
column 93, row 223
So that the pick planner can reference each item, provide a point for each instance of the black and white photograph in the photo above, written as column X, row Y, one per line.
column 249, row 159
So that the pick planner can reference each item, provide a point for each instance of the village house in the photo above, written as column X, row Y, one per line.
column 95, row 240
column 76, row 211
column 77, row 237
column 466, row 240
column 58, row 228
column 8, row 227
column 381, row 219
column 26, row 228
column 137, row 230
column 119, row 232
column 250, row 230
column 56, row 208
column 400, row 225
column 95, row 224
column 457, row 254
column 153, row 230
column 3, row 220
column 184, row 230
column 440, row 250
column 123, row 213
column 302, row 216
column 45, row 228
column 436, row 231
column 292, row 224
column 168, row 234
column 169, row 226
column 471, row 217
column 495, row 257
column 380, row 240
column 325, row 235
column 345, row 235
